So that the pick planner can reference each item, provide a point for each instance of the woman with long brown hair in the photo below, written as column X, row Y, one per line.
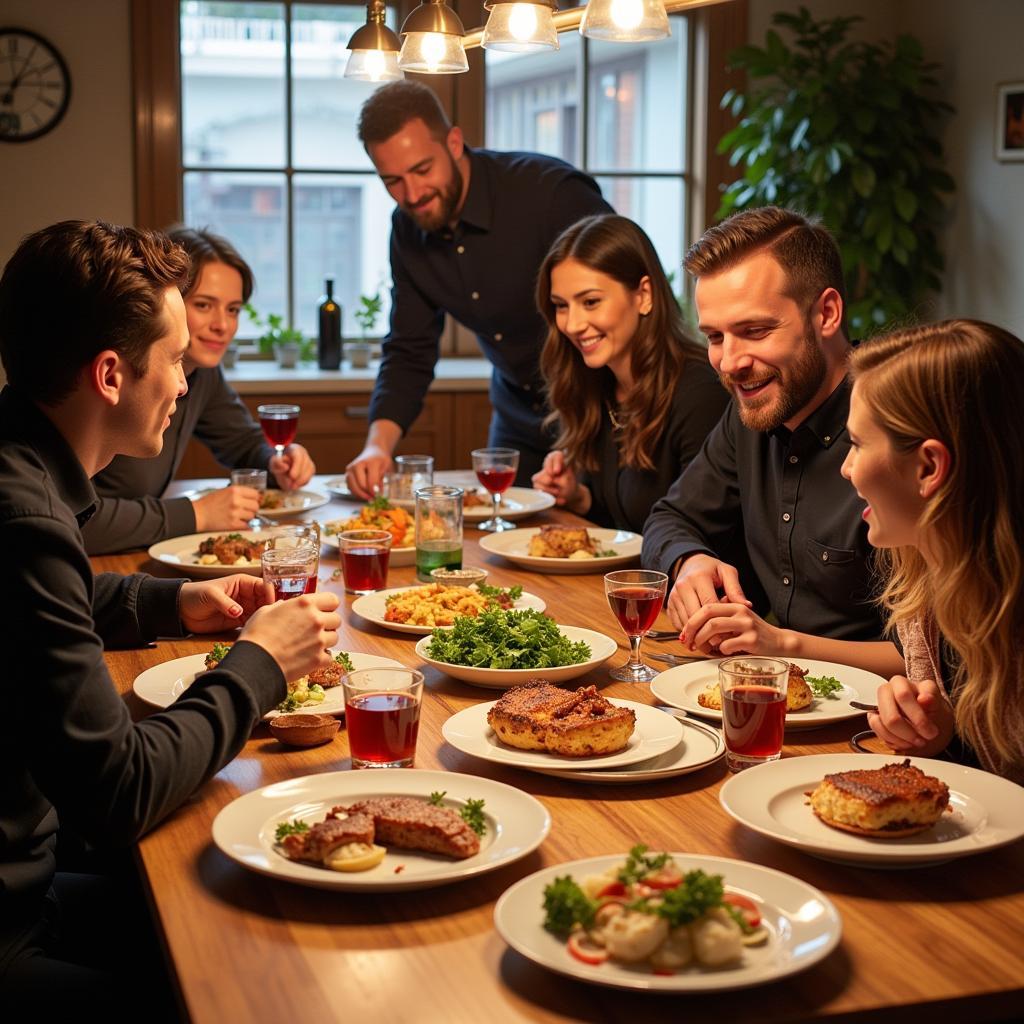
column 632, row 394
column 938, row 453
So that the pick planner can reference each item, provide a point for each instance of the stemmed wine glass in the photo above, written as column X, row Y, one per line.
column 495, row 468
column 636, row 597
column 280, row 424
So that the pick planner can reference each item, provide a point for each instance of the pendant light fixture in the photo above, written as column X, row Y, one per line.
column 432, row 40
column 625, row 21
column 525, row 26
column 374, row 47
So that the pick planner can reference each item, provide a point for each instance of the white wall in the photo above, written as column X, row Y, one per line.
column 978, row 45
column 83, row 168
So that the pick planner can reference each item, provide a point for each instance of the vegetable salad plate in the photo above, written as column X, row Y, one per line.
column 514, row 545
column 803, row 928
column 399, row 556
column 700, row 746
column 515, row 825
column 655, row 733
column 681, row 685
column 161, row 685
column 373, row 607
column 182, row 554
column 601, row 649
column 986, row 811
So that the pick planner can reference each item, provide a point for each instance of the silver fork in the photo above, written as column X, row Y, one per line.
column 673, row 659
column 662, row 634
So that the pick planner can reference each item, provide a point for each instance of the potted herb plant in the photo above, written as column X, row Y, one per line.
column 846, row 131
column 369, row 310
column 288, row 344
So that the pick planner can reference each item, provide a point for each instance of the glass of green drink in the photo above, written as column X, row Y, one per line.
column 438, row 530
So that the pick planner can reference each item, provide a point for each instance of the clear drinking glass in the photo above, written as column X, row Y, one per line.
column 635, row 597
column 438, row 530
column 257, row 480
column 410, row 474
column 290, row 571
column 753, row 709
column 280, row 424
column 364, row 559
column 296, row 534
column 495, row 468
column 382, row 716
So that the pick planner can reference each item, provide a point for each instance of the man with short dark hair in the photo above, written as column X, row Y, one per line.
column 762, row 520
column 471, row 229
column 92, row 337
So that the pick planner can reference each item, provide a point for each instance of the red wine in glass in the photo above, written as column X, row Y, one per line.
column 287, row 587
column 382, row 727
column 754, row 718
column 365, row 569
column 497, row 479
column 279, row 423
column 636, row 608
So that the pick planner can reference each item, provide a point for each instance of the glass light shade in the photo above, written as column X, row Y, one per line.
column 433, row 53
column 520, row 28
column 373, row 66
column 625, row 21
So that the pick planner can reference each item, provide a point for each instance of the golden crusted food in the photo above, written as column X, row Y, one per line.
column 580, row 723
column 436, row 605
column 230, row 549
column 562, row 542
column 887, row 803
column 798, row 693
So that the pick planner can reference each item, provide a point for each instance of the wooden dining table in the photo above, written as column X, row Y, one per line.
column 935, row 943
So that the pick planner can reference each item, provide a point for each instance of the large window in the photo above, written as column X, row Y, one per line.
column 616, row 110
column 270, row 157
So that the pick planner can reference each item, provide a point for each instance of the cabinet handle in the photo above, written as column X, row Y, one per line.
column 357, row 412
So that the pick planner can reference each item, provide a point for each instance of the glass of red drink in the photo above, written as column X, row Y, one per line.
column 280, row 424
column 382, row 716
column 635, row 597
column 753, row 709
column 291, row 571
column 294, row 535
column 495, row 468
column 364, row 559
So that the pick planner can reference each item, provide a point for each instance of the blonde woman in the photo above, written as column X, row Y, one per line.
column 937, row 451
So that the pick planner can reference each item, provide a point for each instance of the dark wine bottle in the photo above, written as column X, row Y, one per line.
column 329, row 342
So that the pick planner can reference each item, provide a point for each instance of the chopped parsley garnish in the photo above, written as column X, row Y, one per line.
column 437, row 797
column 290, row 828
column 692, row 898
column 512, row 593
column 379, row 504
column 607, row 553
column 566, row 904
column 220, row 651
column 638, row 865
column 344, row 661
column 472, row 813
column 824, row 686
column 234, row 536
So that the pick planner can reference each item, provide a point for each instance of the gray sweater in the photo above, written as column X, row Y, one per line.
column 131, row 513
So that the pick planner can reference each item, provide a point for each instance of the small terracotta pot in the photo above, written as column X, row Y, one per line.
column 304, row 730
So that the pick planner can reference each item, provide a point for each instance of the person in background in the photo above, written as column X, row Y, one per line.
column 937, row 452
column 132, row 513
column 760, row 520
column 470, row 230
column 632, row 394
column 93, row 338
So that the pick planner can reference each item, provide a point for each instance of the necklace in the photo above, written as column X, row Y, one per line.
column 616, row 423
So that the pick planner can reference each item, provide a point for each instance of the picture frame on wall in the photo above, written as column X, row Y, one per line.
column 1010, row 121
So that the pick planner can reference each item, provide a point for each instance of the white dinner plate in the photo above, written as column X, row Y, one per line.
column 373, row 607
column 987, row 811
column 655, row 733
column 338, row 486
column 161, row 685
column 601, row 649
column 700, row 746
column 398, row 558
column 294, row 501
column 182, row 553
column 514, row 545
column 803, row 927
column 244, row 830
column 680, row 686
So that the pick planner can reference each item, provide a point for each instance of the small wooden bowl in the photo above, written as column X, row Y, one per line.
column 304, row 730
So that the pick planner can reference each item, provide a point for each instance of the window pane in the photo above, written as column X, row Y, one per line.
column 637, row 116
column 340, row 222
column 325, row 105
column 249, row 210
column 533, row 100
column 656, row 204
column 232, row 84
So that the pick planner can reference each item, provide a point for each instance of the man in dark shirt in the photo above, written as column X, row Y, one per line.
column 92, row 337
column 469, row 234
column 766, row 493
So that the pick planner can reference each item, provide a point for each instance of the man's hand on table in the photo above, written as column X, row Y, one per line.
column 226, row 603
column 698, row 582
column 365, row 473
column 293, row 469
column 227, row 508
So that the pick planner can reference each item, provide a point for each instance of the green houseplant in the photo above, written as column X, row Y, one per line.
column 843, row 130
column 288, row 344
column 370, row 307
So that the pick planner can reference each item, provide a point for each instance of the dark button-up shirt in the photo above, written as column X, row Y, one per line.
column 777, row 505
column 82, row 758
column 483, row 272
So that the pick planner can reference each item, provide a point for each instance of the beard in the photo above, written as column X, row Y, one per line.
column 448, row 207
column 798, row 384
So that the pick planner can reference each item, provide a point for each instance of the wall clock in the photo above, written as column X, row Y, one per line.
column 35, row 86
